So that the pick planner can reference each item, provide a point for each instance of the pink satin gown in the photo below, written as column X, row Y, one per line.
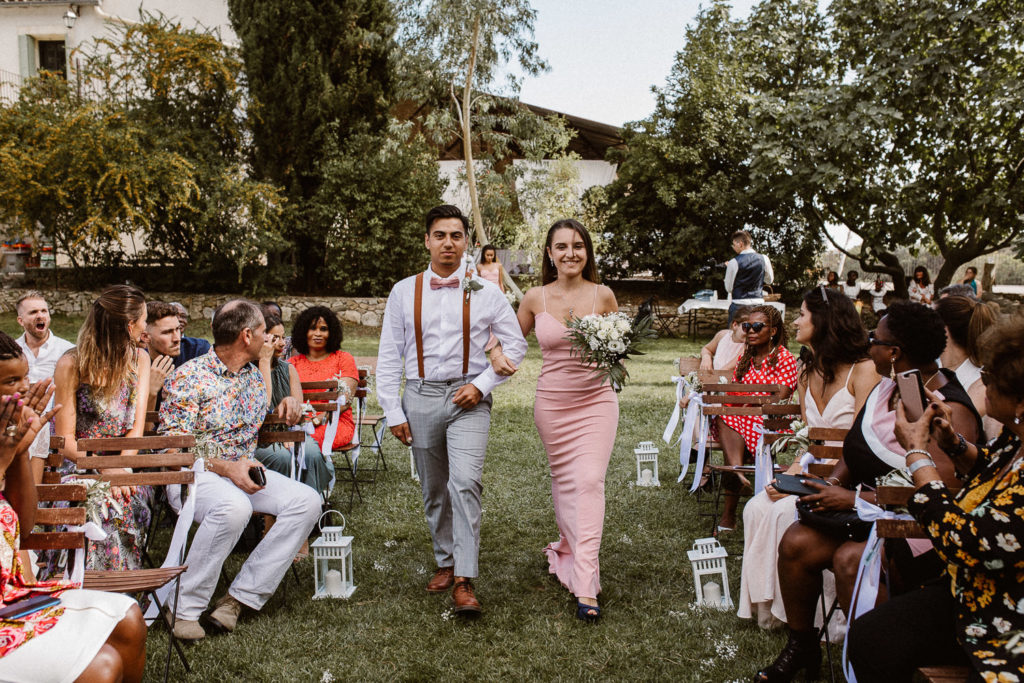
column 577, row 419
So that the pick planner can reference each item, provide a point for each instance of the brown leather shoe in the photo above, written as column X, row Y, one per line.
column 464, row 599
column 442, row 580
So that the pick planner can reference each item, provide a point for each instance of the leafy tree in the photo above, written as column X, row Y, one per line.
column 466, row 45
column 375, row 193
column 915, row 140
column 82, row 174
column 684, row 182
column 318, row 74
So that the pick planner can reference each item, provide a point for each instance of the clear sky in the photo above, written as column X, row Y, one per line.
column 606, row 54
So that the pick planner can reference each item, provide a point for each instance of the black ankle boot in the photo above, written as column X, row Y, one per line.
column 802, row 652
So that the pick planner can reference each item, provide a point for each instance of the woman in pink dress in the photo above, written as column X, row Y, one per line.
column 490, row 267
column 576, row 415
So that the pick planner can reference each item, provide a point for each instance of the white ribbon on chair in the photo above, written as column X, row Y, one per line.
column 806, row 460
column 865, row 590
column 176, row 552
column 693, row 414
column 93, row 532
column 327, row 447
column 764, row 470
column 673, row 421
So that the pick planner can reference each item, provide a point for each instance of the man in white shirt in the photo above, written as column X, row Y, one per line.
column 435, row 327
column 746, row 274
column 42, row 349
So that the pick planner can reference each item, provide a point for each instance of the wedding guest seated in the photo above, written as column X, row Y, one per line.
column 286, row 399
column 90, row 635
column 765, row 360
column 725, row 348
column 317, row 337
column 42, row 349
column 221, row 399
column 878, row 292
column 191, row 347
column 966, row 320
column 834, row 383
column 908, row 337
column 163, row 335
column 921, row 290
column 273, row 308
column 103, row 384
column 971, row 280
column 971, row 616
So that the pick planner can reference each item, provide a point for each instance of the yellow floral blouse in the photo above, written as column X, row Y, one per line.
column 979, row 535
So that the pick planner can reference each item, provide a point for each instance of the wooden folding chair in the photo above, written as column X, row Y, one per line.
column 720, row 401
column 148, row 469
column 326, row 394
column 376, row 423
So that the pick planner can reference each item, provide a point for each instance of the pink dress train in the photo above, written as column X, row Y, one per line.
column 577, row 419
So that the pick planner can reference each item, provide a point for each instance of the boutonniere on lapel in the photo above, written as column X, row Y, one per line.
column 469, row 285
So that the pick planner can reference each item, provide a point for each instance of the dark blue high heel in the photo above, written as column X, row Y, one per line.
column 588, row 613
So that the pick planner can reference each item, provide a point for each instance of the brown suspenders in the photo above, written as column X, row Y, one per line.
column 418, row 322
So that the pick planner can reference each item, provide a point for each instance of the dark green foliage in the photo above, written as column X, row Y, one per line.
column 684, row 181
column 318, row 74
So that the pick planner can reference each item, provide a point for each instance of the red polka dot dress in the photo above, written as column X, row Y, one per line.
column 783, row 372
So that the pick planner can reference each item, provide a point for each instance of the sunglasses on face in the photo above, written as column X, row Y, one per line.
column 872, row 339
column 756, row 327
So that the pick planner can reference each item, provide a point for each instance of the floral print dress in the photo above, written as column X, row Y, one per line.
column 17, row 632
column 126, row 532
column 782, row 372
column 979, row 534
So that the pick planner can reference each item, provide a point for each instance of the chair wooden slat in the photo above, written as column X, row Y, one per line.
column 53, row 540
column 725, row 399
column 331, row 395
column 899, row 528
column 137, row 443
column 136, row 461
column 56, row 443
column 741, row 388
column 826, row 434
column 184, row 477
column 52, row 516
column 52, row 492
column 321, row 385
column 135, row 581
column 821, row 469
column 281, row 437
column 944, row 674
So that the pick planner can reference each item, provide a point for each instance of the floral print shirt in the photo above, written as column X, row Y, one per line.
column 979, row 535
column 17, row 632
column 206, row 399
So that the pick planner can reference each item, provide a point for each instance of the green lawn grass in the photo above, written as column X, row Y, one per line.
column 392, row 629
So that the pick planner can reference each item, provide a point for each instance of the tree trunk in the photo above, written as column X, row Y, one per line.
column 467, row 137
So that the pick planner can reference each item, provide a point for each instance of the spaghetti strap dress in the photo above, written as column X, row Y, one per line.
column 577, row 418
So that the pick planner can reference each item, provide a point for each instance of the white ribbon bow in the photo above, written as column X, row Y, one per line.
column 673, row 421
column 176, row 552
column 764, row 470
column 93, row 532
column 806, row 460
column 869, row 573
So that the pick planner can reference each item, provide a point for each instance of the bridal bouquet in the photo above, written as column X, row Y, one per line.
column 604, row 341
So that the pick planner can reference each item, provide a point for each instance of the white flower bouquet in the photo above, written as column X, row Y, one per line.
column 604, row 341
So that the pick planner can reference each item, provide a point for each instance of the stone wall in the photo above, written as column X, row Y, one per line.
column 366, row 311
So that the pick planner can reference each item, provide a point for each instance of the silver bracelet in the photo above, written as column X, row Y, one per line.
column 919, row 464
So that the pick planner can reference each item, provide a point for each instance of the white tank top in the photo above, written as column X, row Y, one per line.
column 839, row 412
column 967, row 374
column 727, row 352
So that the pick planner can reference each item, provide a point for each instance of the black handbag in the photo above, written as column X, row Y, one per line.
column 841, row 524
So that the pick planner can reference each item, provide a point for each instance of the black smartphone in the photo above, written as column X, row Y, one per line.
column 258, row 476
column 912, row 393
column 791, row 484
column 27, row 605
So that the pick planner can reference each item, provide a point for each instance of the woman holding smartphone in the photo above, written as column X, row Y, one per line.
column 909, row 337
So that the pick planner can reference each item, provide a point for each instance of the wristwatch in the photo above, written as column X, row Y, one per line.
column 960, row 448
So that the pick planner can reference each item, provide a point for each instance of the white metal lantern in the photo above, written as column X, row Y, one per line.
column 332, row 561
column 646, row 464
column 708, row 560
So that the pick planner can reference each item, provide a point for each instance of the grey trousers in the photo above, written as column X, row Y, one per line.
column 448, row 444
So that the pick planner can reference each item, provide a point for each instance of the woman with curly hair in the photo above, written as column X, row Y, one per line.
column 908, row 337
column 834, row 384
column 316, row 338
column 765, row 360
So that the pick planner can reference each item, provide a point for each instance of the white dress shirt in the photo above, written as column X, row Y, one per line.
column 40, row 367
column 732, row 268
column 490, row 313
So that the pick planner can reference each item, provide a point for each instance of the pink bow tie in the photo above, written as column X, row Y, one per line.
column 438, row 283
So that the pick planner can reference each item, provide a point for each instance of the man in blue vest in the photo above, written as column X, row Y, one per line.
column 747, row 274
